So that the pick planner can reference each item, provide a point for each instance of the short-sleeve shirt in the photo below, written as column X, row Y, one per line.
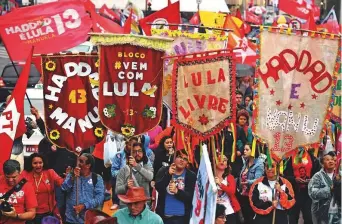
column 22, row 200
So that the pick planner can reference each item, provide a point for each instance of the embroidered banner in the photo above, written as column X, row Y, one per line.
column 185, row 43
column 297, row 75
column 204, row 92
column 70, row 100
column 131, row 78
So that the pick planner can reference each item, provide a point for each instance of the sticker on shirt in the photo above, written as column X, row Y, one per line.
column 90, row 181
column 180, row 183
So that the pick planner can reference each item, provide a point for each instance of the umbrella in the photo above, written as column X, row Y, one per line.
column 257, row 10
column 243, row 70
column 282, row 21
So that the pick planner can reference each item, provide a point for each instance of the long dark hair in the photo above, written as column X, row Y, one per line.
column 162, row 141
column 145, row 158
column 29, row 167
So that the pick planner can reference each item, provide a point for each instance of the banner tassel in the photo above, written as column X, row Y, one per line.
column 234, row 143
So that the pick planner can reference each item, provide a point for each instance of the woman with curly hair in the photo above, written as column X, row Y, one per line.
column 44, row 182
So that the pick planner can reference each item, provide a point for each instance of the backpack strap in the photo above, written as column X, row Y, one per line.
column 94, row 178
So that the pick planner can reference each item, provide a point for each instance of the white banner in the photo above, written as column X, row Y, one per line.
column 205, row 195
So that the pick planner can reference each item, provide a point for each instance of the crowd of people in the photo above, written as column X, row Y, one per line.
column 151, row 182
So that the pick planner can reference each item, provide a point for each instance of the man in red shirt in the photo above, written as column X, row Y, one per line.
column 24, row 201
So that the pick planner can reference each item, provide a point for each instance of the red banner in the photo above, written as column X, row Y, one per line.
column 70, row 99
column 200, row 105
column 131, row 79
column 50, row 28
column 252, row 18
column 300, row 9
column 104, row 10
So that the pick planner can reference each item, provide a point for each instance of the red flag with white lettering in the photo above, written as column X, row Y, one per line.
column 104, row 10
column 50, row 28
column 104, row 25
column 298, row 8
column 12, row 123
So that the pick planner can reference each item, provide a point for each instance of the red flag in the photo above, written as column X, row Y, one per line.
column 292, row 7
column 330, row 23
column 167, row 15
column 104, row 10
column 310, row 23
column 195, row 19
column 246, row 50
column 128, row 24
column 238, row 14
column 12, row 121
column 252, row 18
column 104, row 25
column 50, row 28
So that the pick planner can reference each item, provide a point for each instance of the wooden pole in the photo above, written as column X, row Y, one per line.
column 275, row 195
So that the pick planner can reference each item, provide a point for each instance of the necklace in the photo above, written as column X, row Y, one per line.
column 37, row 183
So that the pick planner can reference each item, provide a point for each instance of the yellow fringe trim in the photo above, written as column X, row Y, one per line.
column 179, row 33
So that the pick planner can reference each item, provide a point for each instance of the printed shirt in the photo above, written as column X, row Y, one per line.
column 146, row 217
column 91, row 197
column 223, row 199
column 244, row 179
column 303, row 169
column 173, row 206
column 21, row 200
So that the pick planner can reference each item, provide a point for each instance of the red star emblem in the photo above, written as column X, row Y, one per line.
column 272, row 92
column 314, row 96
column 278, row 102
column 290, row 107
column 203, row 119
column 302, row 105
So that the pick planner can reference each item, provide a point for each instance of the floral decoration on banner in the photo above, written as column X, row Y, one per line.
column 199, row 104
column 185, row 43
column 296, row 79
column 50, row 66
column 71, row 85
column 130, row 94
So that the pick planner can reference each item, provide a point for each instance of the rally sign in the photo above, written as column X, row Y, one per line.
column 297, row 75
column 204, row 91
column 185, row 43
column 205, row 195
column 71, row 87
column 50, row 28
column 131, row 78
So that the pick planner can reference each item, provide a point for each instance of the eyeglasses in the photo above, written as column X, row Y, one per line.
column 137, row 151
column 183, row 158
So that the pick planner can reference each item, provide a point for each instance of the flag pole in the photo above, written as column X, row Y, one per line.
column 16, row 71
column 275, row 195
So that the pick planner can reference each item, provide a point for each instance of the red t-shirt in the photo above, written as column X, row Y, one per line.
column 21, row 200
column 303, row 169
column 45, row 192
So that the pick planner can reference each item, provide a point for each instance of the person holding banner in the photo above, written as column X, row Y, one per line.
column 271, row 197
column 175, row 185
column 227, row 189
column 252, row 169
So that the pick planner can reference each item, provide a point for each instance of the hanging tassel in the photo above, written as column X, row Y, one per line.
column 299, row 156
column 183, row 140
column 212, row 142
column 222, row 145
column 269, row 158
column 234, row 143
column 281, row 168
column 253, row 147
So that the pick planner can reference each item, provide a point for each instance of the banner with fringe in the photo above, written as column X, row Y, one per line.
column 130, row 93
column 204, row 92
column 185, row 43
column 296, row 80
column 71, row 85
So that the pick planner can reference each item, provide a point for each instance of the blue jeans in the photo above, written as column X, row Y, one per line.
column 115, row 198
